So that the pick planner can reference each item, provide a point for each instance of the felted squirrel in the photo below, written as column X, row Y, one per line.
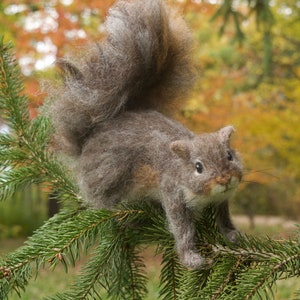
column 110, row 114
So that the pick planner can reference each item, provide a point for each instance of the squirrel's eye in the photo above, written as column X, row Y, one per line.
column 199, row 167
column 229, row 155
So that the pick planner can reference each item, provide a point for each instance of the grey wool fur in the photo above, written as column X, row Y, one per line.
column 110, row 115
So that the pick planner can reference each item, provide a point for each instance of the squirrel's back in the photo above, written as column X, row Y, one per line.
column 142, row 63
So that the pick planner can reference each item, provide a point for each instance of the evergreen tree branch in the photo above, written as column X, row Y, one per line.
column 170, row 276
column 60, row 240
column 115, row 267
column 25, row 156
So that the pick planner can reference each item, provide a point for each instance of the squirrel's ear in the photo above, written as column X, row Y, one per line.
column 69, row 70
column 181, row 149
column 226, row 132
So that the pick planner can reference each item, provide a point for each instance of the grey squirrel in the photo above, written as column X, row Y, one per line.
column 111, row 115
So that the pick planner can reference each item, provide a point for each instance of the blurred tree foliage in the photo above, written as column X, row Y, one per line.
column 248, row 60
column 234, row 86
column 23, row 213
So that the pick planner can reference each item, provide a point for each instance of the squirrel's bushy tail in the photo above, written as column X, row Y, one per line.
column 143, row 62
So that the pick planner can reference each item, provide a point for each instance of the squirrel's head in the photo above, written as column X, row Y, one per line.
column 212, row 170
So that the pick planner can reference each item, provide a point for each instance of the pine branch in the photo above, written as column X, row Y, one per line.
column 13, row 104
column 24, row 150
column 115, row 267
column 190, row 280
column 60, row 240
column 255, row 268
column 170, row 275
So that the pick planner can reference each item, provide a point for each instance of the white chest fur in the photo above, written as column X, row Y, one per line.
column 218, row 193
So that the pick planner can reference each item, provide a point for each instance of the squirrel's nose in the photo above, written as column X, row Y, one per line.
column 223, row 179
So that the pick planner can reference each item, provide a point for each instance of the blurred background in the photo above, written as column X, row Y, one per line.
column 247, row 54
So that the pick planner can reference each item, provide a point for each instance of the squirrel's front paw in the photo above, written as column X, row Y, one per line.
column 193, row 260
